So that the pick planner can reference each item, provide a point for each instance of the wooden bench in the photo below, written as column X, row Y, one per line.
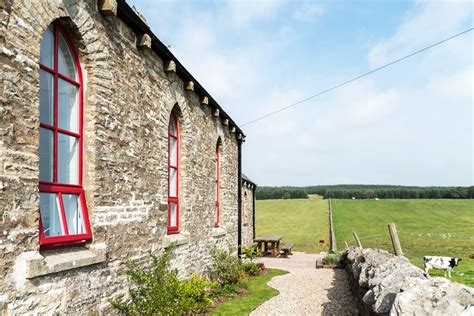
column 287, row 250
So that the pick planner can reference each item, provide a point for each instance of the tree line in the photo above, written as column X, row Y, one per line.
column 362, row 191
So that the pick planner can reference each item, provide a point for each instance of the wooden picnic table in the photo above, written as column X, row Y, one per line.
column 266, row 243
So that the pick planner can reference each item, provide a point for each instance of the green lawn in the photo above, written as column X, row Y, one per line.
column 259, row 292
column 302, row 222
column 425, row 227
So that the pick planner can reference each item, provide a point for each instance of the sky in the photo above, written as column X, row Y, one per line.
column 409, row 124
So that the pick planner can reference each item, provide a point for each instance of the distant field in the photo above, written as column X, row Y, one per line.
column 302, row 222
column 425, row 227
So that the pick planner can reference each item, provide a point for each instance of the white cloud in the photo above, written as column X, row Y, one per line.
column 358, row 105
column 456, row 86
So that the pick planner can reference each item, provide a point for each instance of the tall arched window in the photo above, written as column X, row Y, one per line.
column 244, row 208
column 63, row 208
column 173, row 174
column 218, row 171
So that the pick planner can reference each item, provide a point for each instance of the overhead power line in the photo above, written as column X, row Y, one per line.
column 357, row 78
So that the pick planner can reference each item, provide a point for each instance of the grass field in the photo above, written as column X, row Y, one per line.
column 425, row 227
column 258, row 292
column 302, row 222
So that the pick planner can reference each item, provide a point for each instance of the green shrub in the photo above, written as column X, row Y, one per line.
column 250, row 253
column 158, row 290
column 194, row 294
column 333, row 258
column 225, row 268
column 251, row 269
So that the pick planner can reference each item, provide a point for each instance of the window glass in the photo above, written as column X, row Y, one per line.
column 47, row 48
column 173, row 182
column 67, row 106
column 173, row 215
column 46, row 160
column 66, row 64
column 73, row 211
column 46, row 98
column 173, row 151
column 50, row 217
column 63, row 211
column 68, row 164
column 173, row 126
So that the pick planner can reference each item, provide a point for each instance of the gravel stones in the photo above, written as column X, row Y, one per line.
column 306, row 290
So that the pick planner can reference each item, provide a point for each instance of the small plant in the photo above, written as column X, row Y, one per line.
column 332, row 258
column 159, row 291
column 194, row 294
column 250, row 253
column 225, row 268
column 251, row 269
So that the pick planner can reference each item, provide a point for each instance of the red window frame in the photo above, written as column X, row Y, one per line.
column 55, row 186
column 174, row 199
column 218, row 167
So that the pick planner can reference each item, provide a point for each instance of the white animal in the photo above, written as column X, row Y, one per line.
column 441, row 263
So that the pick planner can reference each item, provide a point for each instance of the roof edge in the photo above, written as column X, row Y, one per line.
column 247, row 179
column 133, row 20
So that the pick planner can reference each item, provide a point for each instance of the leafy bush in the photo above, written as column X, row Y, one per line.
column 194, row 294
column 250, row 253
column 225, row 268
column 251, row 269
column 158, row 290
column 333, row 258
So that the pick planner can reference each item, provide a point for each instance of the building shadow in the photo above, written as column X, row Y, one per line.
column 341, row 300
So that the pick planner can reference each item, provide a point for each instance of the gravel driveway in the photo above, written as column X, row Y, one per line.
column 306, row 290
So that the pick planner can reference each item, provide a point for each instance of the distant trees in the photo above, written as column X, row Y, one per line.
column 360, row 191
column 275, row 193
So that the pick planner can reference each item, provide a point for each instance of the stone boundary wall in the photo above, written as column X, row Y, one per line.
column 385, row 284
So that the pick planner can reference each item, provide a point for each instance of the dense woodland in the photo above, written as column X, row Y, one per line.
column 362, row 191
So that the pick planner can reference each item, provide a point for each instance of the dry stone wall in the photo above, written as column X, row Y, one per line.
column 128, row 98
column 385, row 284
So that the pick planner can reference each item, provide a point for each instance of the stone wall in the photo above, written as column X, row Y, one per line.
column 128, row 98
column 385, row 284
column 247, row 213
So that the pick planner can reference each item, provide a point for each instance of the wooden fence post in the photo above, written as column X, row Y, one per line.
column 359, row 244
column 397, row 248
column 332, row 235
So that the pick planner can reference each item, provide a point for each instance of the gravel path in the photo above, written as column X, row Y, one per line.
column 306, row 290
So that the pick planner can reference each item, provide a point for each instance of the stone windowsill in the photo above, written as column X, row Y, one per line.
column 38, row 264
column 218, row 232
column 178, row 239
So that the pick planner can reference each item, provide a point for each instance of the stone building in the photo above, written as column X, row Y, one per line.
column 109, row 149
column 248, row 210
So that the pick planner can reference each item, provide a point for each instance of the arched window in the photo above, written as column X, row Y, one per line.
column 63, row 208
column 244, row 208
column 218, row 171
column 173, row 174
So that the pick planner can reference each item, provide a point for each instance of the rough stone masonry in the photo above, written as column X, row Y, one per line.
column 130, row 89
column 385, row 284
